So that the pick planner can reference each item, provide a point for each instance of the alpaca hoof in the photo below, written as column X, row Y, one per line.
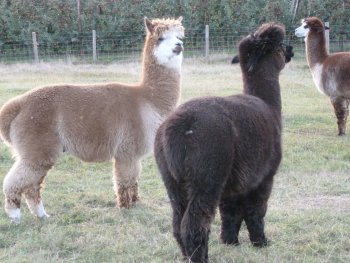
column 43, row 217
column 127, row 197
column 126, row 202
column 15, row 215
column 40, row 211
column 15, row 220
column 261, row 243
column 230, row 242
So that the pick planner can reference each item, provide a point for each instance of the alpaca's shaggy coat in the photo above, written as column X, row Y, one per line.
column 93, row 122
column 330, row 72
column 224, row 151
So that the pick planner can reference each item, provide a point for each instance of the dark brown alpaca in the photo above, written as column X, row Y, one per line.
column 224, row 151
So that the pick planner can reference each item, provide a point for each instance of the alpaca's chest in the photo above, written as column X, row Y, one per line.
column 151, row 121
column 317, row 77
column 324, row 80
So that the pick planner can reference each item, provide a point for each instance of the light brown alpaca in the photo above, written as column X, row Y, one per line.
column 93, row 122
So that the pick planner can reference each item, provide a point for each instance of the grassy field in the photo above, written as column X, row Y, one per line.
column 308, row 219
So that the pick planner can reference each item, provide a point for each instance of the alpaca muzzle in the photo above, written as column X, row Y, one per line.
column 178, row 49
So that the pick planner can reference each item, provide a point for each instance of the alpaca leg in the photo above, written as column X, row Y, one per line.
column 125, row 177
column 204, row 196
column 13, row 192
column 195, row 227
column 231, row 213
column 177, row 196
column 178, row 202
column 23, row 178
column 255, row 206
column 341, row 110
column 34, row 200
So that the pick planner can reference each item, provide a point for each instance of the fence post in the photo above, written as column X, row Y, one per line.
column 94, row 52
column 207, row 41
column 35, row 48
column 327, row 36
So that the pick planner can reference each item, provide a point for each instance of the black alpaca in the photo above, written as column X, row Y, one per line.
column 224, row 151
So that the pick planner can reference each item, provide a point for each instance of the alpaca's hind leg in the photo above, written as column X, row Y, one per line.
column 195, row 227
column 231, row 212
column 203, row 198
column 177, row 196
column 13, row 192
column 178, row 202
column 341, row 110
column 33, row 196
column 125, row 176
column 23, row 178
column 255, row 206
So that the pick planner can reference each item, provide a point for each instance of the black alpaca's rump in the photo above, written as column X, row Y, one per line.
column 224, row 151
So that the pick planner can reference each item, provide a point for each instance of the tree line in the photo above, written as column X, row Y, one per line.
column 63, row 21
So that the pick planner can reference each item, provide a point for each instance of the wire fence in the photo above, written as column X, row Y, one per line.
column 127, row 46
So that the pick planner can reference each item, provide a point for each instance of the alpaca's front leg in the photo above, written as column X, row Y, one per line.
column 341, row 110
column 125, row 176
column 255, row 206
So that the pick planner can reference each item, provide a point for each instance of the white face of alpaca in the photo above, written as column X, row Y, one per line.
column 168, row 52
column 302, row 31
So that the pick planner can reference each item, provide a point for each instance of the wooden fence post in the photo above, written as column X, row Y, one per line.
column 94, row 51
column 327, row 36
column 35, row 48
column 207, row 41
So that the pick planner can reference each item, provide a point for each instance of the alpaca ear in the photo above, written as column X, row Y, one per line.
column 180, row 19
column 149, row 25
column 325, row 28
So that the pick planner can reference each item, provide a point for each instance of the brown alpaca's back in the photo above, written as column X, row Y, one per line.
column 93, row 122
column 87, row 121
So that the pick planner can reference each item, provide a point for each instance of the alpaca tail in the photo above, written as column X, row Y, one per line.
column 7, row 114
column 176, row 135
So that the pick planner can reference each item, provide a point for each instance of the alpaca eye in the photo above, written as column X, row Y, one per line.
column 306, row 26
column 160, row 39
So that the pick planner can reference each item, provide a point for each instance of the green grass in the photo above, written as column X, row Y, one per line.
column 308, row 219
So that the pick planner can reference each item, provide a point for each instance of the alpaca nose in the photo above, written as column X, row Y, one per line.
column 178, row 48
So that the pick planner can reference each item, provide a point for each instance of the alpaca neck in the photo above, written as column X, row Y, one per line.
column 264, row 86
column 161, row 85
column 316, row 51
